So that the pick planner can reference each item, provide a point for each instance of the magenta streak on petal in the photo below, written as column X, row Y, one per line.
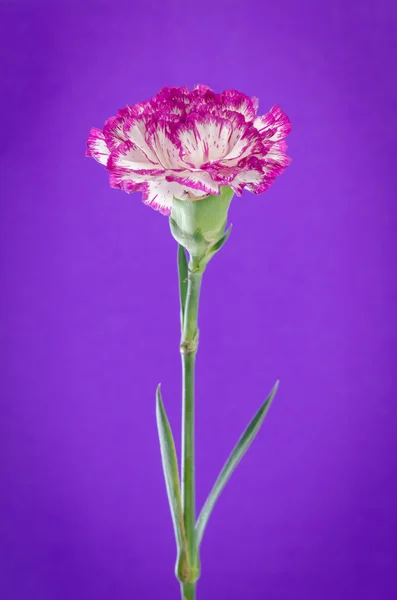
column 134, row 130
column 113, row 132
column 97, row 147
column 194, row 183
column 131, row 158
column 255, row 103
column 202, row 88
column 206, row 150
column 124, row 113
column 274, row 125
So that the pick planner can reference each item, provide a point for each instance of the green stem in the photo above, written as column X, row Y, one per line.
column 188, row 591
column 188, row 491
column 189, row 344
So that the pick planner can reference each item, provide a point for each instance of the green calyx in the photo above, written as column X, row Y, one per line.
column 199, row 225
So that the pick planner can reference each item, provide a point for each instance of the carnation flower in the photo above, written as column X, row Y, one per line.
column 188, row 152
column 188, row 144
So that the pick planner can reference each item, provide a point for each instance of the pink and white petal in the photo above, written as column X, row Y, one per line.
column 263, row 186
column 255, row 103
column 125, row 112
column 213, row 133
column 190, row 151
column 139, row 108
column 114, row 131
column 221, row 174
column 277, row 153
column 224, row 173
column 127, row 181
column 171, row 93
column 202, row 88
column 176, row 109
column 236, row 101
column 172, row 100
column 164, row 144
column 265, row 124
column 97, row 147
column 135, row 131
column 250, row 177
column 253, row 173
column 239, row 128
column 244, row 141
column 254, row 179
column 203, row 138
column 173, row 109
column 160, row 194
column 202, row 97
column 128, row 156
column 274, row 125
column 195, row 180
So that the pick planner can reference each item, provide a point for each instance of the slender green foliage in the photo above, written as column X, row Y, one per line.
column 170, row 468
column 183, row 278
column 232, row 462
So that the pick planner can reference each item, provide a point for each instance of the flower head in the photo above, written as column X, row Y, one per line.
column 188, row 144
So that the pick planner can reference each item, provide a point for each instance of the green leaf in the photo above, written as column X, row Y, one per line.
column 183, row 277
column 232, row 462
column 216, row 247
column 170, row 468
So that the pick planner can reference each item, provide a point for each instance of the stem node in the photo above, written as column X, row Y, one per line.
column 190, row 346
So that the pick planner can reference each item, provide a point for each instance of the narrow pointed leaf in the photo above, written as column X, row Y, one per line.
column 183, row 276
column 170, row 468
column 232, row 462
column 216, row 247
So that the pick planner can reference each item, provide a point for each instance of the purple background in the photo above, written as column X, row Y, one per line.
column 304, row 291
